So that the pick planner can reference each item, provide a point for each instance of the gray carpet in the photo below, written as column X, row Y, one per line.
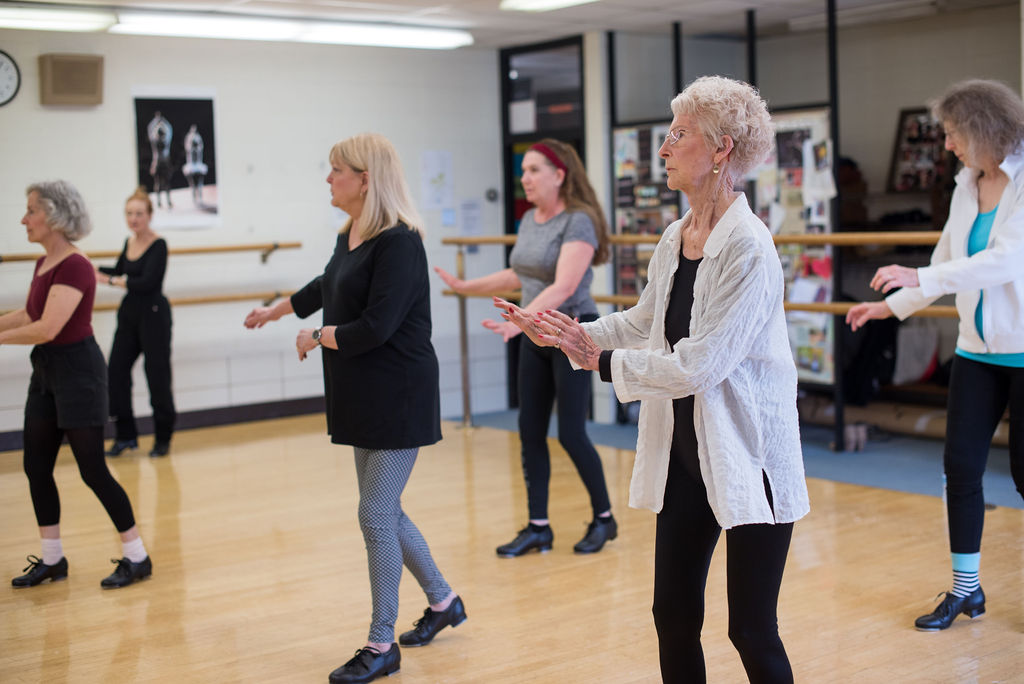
column 896, row 462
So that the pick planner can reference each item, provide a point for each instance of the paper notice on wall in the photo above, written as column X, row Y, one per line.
column 436, row 179
column 522, row 116
column 819, row 185
column 471, row 222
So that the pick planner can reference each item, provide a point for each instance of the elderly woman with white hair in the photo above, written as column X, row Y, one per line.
column 67, row 394
column 706, row 351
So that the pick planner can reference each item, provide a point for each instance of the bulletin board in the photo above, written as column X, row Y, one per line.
column 643, row 204
column 919, row 156
column 792, row 192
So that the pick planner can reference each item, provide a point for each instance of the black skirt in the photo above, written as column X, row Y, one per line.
column 68, row 384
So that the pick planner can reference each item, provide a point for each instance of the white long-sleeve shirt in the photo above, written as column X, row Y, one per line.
column 997, row 270
column 736, row 362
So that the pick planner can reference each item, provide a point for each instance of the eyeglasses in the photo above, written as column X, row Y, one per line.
column 672, row 137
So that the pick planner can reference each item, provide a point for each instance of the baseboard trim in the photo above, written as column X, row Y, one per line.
column 227, row 415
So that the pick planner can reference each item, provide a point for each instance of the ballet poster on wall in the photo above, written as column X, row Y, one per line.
column 177, row 162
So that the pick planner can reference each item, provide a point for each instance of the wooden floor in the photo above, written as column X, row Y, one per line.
column 260, row 575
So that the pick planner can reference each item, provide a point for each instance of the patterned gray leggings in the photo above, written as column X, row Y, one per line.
column 392, row 539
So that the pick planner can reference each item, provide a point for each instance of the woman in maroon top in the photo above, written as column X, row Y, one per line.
column 67, row 395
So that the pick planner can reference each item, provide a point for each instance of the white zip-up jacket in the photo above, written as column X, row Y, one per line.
column 997, row 270
column 736, row 362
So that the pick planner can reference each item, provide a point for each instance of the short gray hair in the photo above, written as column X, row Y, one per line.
column 64, row 207
column 988, row 114
column 722, row 106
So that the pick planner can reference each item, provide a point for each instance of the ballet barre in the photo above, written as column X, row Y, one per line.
column 265, row 297
column 847, row 239
column 264, row 248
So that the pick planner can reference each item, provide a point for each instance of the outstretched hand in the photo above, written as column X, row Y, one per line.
column 449, row 280
column 506, row 330
column 859, row 314
column 259, row 317
column 890, row 277
column 554, row 329
column 522, row 321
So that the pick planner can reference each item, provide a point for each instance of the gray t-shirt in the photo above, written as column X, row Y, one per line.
column 535, row 257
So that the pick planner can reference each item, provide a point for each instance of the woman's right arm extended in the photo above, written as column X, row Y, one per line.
column 262, row 315
column 505, row 279
column 14, row 319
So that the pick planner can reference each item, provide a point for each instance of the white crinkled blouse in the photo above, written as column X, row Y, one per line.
column 736, row 362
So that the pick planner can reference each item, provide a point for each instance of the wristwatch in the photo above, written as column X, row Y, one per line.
column 317, row 332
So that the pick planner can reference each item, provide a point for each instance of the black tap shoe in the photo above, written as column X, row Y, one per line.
column 972, row 605
column 427, row 627
column 160, row 449
column 367, row 665
column 598, row 532
column 121, row 445
column 127, row 572
column 527, row 539
column 37, row 571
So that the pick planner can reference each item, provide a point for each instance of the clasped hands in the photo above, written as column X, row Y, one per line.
column 554, row 329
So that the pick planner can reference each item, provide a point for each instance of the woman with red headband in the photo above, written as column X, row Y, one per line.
column 559, row 240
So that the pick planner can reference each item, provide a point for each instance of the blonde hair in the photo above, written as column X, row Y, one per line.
column 387, row 201
column 578, row 194
column 64, row 207
column 722, row 106
column 988, row 114
column 143, row 196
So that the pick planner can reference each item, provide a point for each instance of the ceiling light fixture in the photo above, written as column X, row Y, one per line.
column 53, row 19
column 540, row 5
column 205, row 26
column 232, row 26
column 383, row 35
column 223, row 26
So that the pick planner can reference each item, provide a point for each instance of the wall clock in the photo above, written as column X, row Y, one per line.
column 10, row 78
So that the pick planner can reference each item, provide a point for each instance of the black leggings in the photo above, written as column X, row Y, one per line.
column 978, row 395
column 544, row 376
column 42, row 442
column 687, row 533
column 67, row 397
column 143, row 327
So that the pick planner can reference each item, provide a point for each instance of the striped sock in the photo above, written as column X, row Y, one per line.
column 965, row 573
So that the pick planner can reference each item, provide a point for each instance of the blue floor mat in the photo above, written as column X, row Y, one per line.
column 888, row 461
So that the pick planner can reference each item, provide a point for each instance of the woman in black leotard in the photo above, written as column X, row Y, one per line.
column 143, row 327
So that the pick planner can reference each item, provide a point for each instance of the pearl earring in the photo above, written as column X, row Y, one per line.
column 716, row 169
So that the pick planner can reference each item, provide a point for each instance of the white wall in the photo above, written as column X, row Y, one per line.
column 278, row 109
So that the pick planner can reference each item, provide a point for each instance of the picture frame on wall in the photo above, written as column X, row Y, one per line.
column 918, row 153
column 177, row 160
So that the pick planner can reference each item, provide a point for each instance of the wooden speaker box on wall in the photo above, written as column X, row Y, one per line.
column 70, row 79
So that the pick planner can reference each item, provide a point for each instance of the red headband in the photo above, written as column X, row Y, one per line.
column 551, row 156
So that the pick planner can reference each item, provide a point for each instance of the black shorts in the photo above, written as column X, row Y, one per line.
column 69, row 385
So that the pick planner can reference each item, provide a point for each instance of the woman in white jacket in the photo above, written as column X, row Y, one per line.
column 706, row 350
column 978, row 258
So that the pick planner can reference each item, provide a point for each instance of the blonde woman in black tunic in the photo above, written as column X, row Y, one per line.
column 375, row 336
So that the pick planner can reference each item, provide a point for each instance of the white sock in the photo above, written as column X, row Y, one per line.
column 53, row 550
column 134, row 550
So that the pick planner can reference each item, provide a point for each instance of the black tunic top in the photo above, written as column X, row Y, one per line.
column 144, row 280
column 381, row 384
